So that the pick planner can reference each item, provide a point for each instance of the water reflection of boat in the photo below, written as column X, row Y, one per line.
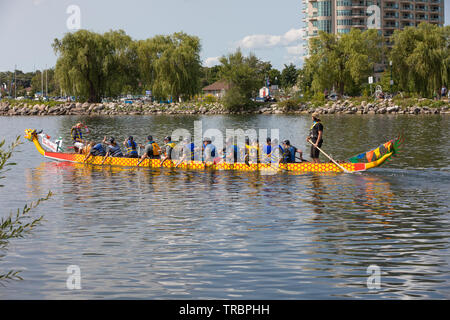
column 361, row 162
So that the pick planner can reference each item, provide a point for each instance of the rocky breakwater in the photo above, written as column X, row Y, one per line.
column 380, row 107
column 330, row 107
column 25, row 109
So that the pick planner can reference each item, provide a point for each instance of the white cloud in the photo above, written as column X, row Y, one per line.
column 259, row 41
column 212, row 61
column 38, row 2
column 296, row 50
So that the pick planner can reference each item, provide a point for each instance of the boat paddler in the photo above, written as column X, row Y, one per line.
column 289, row 152
column 95, row 150
column 267, row 150
column 131, row 148
column 112, row 149
column 209, row 152
column 168, row 149
column 77, row 137
column 315, row 136
column 151, row 151
column 231, row 151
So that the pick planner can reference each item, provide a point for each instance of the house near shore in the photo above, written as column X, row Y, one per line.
column 217, row 89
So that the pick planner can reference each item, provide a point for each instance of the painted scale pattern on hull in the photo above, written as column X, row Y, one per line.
column 197, row 165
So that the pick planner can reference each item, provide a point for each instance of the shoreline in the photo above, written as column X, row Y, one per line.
column 95, row 109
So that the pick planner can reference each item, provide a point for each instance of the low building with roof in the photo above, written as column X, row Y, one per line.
column 217, row 89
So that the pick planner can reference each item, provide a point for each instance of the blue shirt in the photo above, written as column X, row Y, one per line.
column 210, row 152
column 98, row 150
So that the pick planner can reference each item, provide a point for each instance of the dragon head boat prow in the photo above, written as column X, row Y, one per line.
column 30, row 133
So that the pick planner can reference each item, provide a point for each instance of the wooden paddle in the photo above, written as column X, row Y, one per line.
column 140, row 162
column 104, row 159
column 272, row 157
column 180, row 161
column 341, row 167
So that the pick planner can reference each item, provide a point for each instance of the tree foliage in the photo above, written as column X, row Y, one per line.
column 92, row 66
column 342, row 62
column 421, row 58
column 246, row 76
column 288, row 76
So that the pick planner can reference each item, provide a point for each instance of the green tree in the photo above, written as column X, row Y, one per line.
column 170, row 65
column 91, row 65
column 245, row 74
column 421, row 58
column 289, row 76
column 209, row 75
column 274, row 76
column 343, row 62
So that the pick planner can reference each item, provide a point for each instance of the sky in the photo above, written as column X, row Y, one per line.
column 270, row 29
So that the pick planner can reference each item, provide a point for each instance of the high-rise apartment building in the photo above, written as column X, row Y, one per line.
column 339, row 16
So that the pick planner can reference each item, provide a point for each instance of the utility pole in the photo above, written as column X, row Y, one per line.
column 42, row 83
column 15, row 82
column 46, row 81
column 391, row 82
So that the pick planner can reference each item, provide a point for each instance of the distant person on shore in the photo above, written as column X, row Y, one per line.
column 315, row 136
column 131, row 148
column 443, row 92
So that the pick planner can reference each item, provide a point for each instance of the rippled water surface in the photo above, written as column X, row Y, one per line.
column 177, row 234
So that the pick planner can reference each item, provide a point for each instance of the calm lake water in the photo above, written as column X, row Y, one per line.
column 176, row 234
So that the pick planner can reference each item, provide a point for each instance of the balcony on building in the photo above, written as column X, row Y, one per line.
column 359, row 23
column 435, row 8
column 405, row 24
column 391, row 25
column 358, row 13
column 358, row 4
column 390, row 15
column 422, row 17
column 407, row 16
column 435, row 18
column 421, row 8
column 391, row 5
column 347, row 4
column 406, row 7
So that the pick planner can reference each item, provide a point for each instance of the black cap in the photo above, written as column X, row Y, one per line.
column 287, row 142
column 149, row 138
column 168, row 138
column 111, row 139
column 130, row 138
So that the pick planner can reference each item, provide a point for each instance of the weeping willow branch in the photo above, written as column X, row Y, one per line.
column 19, row 224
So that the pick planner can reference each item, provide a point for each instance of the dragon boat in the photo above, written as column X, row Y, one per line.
column 360, row 162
